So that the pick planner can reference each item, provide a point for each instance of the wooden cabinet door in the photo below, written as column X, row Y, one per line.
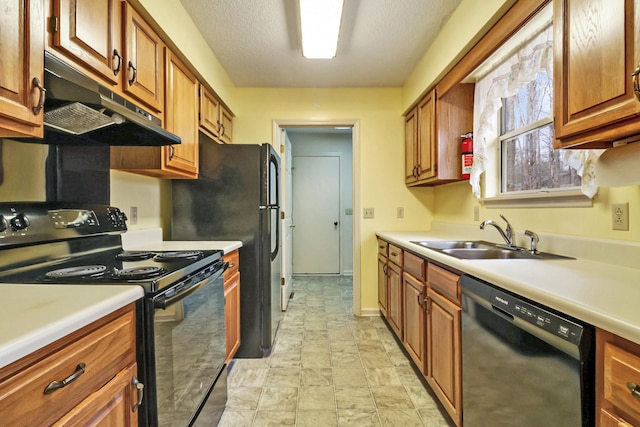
column 411, row 146
column 143, row 65
column 112, row 405
column 382, row 284
column 209, row 117
column 414, row 318
column 226, row 124
column 21, row 63
column 232, row 314
column 181, row 118
column 89, row 33
column 427, row 138
column 597, row 49
column 444, row 352
column 394, row 309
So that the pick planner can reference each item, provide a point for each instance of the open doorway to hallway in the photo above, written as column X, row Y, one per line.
column 319, row 227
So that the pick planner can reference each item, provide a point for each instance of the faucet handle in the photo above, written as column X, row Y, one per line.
column 508, row 230
column 534, row 239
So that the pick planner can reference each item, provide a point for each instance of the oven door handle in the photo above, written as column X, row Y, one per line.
column 163, row 301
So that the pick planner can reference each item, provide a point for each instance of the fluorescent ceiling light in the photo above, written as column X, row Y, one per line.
column 320, row 22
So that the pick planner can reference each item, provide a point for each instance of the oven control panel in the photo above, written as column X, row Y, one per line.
column 23, row 223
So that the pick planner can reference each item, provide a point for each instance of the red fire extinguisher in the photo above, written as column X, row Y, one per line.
column 467, row 154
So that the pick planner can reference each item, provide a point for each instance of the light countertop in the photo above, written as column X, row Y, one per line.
column 600, row 293
column 151, row 240
column 37, row 315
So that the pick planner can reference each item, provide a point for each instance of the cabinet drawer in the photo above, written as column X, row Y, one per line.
column 444, row 281
column 415, row 265
column 620, row 368
column 233, row 258
column 395, row 254
column 104, row 352
column 383, row 247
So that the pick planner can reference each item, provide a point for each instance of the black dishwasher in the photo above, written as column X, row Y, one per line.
column 523, row 364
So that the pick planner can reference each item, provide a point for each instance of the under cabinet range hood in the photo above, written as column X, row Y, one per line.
column 80, row 111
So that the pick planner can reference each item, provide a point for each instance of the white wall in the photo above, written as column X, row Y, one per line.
column 313, row 144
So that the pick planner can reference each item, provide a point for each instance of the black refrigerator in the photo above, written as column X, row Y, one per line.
column 237, row 197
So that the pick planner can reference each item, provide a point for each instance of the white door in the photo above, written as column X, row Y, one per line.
column 287, row 230
column 316, row 214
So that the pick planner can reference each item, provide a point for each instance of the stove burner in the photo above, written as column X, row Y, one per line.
column 134, row 255
column 139, row 272
column 79, row 271
column 178, row 255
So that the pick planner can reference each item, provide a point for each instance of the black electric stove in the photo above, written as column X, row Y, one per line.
column 180, row 330
column 72, row 244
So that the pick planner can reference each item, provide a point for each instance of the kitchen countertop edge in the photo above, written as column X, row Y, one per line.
column 44, row 314
column 600, row 294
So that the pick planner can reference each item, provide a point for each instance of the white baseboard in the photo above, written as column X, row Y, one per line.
column 369, row 312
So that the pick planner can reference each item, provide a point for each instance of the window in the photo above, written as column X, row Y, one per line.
column 528, row 162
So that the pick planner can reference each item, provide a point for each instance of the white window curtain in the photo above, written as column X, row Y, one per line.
column 512, row 72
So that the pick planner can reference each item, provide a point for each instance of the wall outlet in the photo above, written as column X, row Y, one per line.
column 133, row 215
column 620, row 216
column 367, row 213
column 400, row 212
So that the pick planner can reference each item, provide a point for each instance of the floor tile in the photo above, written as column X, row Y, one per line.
column 330, row 368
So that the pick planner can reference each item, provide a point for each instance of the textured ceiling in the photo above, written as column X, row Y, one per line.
column 258, row 41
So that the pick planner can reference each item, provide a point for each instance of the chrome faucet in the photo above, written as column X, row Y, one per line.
column 534, row 239
column 507, row 233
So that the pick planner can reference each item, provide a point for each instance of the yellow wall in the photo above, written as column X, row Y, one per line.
column 454, row 203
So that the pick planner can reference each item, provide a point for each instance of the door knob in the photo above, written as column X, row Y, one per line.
column 335, row 224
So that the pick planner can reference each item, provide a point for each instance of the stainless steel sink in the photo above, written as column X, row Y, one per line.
column 484, row 250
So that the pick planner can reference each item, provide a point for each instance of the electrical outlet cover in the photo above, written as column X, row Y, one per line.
column 620, row 216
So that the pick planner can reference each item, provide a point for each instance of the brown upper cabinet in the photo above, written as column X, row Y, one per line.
column 144, row 77
column 181, row 118
column 432, row 136
column 214, row 119
column 596, row 66
column 110, row 41
column 21, row 69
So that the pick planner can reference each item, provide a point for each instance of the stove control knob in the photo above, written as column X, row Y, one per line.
column 19, row 222
column 4, row 224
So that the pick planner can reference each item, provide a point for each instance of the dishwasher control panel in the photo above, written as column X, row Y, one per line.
column 537, row 316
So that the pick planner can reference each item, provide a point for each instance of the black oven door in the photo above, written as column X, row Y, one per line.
column 184, row 351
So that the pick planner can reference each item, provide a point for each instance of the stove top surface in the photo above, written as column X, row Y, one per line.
column 151, row 270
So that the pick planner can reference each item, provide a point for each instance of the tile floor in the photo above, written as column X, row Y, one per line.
column 329, row 368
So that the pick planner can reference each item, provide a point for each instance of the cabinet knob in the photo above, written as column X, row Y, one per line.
column 636, row 86
column 56, row 385
column 134, row 74
column 634, row 389
column 140, row 389
column 36, row 83
column 116, row 69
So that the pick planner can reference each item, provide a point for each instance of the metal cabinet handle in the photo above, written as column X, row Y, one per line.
column 135, row 74
column 636, row 86
column 219, row 123
column 634, row 389
column 394, row 254
column 426, row 304
column 55, row 385
column 172, row 152
column 231, row 265
column 380, row 246
column 117, row 69
column 140, row 389
column 38, row 107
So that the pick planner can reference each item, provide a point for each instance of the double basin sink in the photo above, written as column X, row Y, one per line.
column 484, row 250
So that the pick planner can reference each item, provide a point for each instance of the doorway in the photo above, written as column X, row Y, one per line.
column 286, row 134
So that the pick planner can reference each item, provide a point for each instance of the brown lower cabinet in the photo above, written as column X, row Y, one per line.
column 104, row 391
column 232, row 303
column 617, row 381
column 425, row 299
